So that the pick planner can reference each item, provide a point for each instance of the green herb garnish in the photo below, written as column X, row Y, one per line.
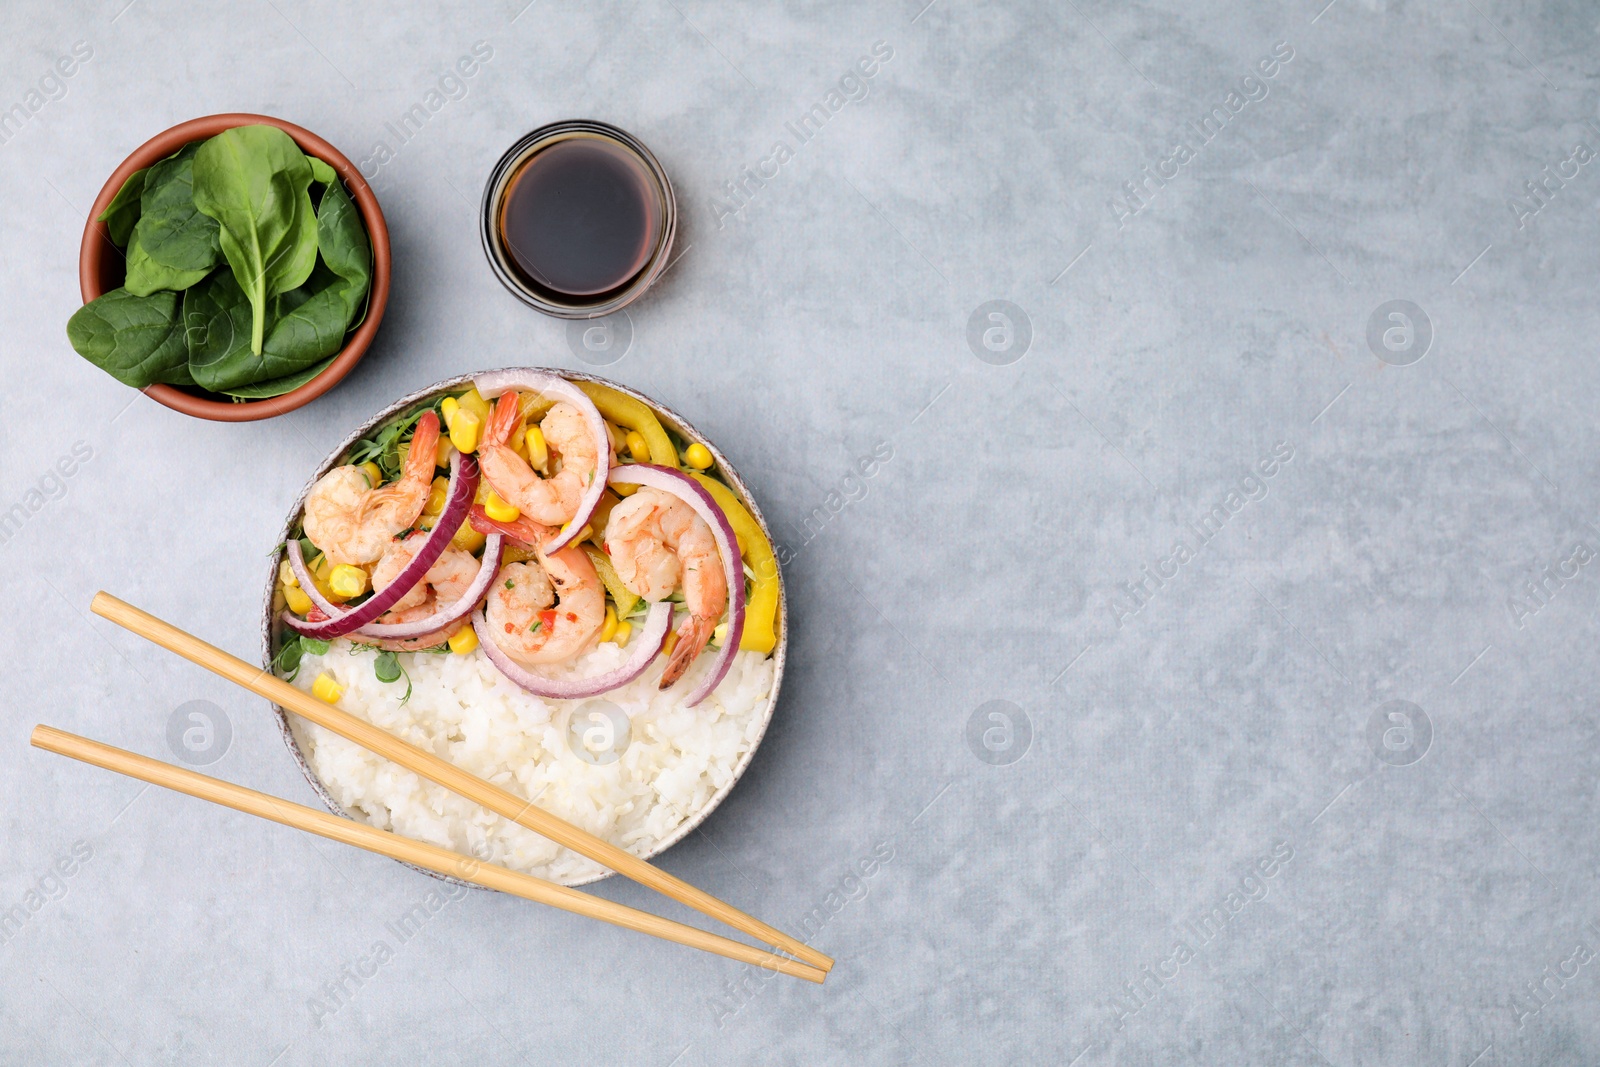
column 387, row 669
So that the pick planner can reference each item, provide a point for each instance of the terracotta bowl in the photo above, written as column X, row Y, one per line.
column 101, row 266
column 272, row 627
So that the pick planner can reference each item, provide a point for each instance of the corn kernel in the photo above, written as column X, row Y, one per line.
column 538, row 454
column 720, row 634
column 464, row 427
column 347, row 580
column 286, row 574
column 672, row 643
column 373, row 473
column 697, row 456
column 449, row 407
column 464, row 641
column 326, row 689
column 438, row 493
column 615, row 435
column 297, row 600
column 638, row 448
column 609, row 629
column 499, row 510
column 624, row 631
column 624, row 488
column 320, row 570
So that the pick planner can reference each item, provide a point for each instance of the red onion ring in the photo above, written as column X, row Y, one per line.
column 496, row 382
column 455, row 610
column 404, row 630
column 652, row 634
column 690, row 492
column 463, row 485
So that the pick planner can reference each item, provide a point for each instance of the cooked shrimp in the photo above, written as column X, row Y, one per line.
column 554, row 500
column 548, row 613
column 657, row 543
column 352, row 522
column 444, row 583
column 450, row 576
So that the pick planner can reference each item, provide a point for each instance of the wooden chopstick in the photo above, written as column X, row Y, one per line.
column 453, row 778
column 384, row 843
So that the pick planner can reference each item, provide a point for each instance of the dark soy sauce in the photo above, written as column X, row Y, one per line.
column 581, row 217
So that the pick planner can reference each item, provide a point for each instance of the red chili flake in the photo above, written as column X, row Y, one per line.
column 508, row 628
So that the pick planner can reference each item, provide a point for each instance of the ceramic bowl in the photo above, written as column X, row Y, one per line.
column 272, row 627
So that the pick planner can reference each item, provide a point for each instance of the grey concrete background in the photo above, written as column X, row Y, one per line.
column 1433, row 865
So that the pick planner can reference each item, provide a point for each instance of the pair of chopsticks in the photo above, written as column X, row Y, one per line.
column 814, row 967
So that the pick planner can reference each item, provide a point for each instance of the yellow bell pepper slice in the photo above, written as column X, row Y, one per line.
column 625, row 600
column 624, row 410
column 297, row 600
column 761, row 610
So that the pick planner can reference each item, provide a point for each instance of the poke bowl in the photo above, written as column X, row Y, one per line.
column 553, row 582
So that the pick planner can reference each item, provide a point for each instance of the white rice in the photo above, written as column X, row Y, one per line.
column 465, row 711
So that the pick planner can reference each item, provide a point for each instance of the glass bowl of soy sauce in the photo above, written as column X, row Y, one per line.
column 578, row 219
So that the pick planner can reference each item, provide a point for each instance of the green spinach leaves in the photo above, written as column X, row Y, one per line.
column 255, row 182
column 135, row 339
column 247, row 263
column 173, row 245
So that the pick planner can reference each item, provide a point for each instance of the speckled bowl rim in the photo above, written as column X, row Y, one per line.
column 674, row 422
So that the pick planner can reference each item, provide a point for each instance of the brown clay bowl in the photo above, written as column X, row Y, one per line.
column 101, row 267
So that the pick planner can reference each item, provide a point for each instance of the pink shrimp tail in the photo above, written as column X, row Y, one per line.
column 424, row 446
column 504, row 418
column 522, row 529
column 692, row 638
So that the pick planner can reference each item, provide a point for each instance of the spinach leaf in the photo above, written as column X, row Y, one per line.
column 138, row 340
column 173, row 245
column 313, row 327
column 322, row 173
column 123, row 211
column 254, row 181
column 278, row 386
column 216, row 329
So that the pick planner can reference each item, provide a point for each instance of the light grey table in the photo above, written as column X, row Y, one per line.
column 1173, row 690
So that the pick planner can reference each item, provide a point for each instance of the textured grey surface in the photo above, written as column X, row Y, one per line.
column 1440, row 910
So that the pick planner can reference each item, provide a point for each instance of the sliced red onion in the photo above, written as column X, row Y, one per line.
column 458, row 500
column 455, row 610
column 494, row 383
column 403, row 630
column 690, row 492
column 652, row 634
